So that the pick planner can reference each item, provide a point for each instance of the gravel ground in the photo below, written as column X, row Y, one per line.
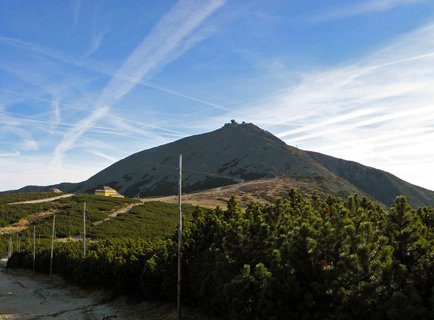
column 27, row 296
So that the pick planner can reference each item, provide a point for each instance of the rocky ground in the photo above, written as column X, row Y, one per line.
column 26, row 296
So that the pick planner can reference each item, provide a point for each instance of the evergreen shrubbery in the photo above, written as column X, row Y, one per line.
column 295, row 259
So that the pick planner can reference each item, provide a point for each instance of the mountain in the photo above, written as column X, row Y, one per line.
column 237, row 153
column 378, row 184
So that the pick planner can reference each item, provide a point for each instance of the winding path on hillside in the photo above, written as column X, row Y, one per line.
column 44, row 199
column 25, row 223
column 114, row 213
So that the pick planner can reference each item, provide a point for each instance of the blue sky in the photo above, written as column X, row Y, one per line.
column 86, row 83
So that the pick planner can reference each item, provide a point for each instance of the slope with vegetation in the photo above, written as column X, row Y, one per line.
column 299, row 258
column 380, row 185
column 238, row 153
column 149, row 220
column 11, row 213
column 17, row 220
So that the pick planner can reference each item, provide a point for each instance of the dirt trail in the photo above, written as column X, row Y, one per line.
column 251, row 191
column 116, row 212
column 262, row 191
column 202, row 199
column 26, row 296
column 25, row 223
column 45, row 199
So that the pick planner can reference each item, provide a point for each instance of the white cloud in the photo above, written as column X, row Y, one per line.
column 55, row 113
column 364, row 7
column 9, row 154
column 35, row 171
column 74, row 133
column 153, row 53
column 95, row 43
column 98, row 67
column 157, row 48
column 11, row 125
column 376, row 111
column 76, row 5
column 103, row 155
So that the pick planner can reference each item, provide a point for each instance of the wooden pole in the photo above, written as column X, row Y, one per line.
column 34, row 247
column 52, row 246
column 11, row 247
column 179, row 238
column 84, row 230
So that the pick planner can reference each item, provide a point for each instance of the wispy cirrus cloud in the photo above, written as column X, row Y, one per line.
column 74, row 133
column 367, row 110
column 11, row 154
column 86, row 63
column 95, row 44
column 76, row 6
column 364, row 7
column 55, row 113
column 170, row 33
column 97, row 35
column 27, row 141
column 102, row 155
column 157, row 48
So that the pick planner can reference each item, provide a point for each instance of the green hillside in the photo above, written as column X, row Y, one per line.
column 238, row 153
column 6, row 198
column 150, row 220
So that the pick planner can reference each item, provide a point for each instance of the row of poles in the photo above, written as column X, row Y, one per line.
column 53, row 235
column 178, row 307
column 52, row 240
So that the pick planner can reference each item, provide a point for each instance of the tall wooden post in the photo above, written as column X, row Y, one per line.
column 34, row 247
column 11, row 247
column 52, row 246
column 179, row 238
column 84, row 230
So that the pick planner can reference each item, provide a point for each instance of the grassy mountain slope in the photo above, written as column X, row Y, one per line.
column 378, row 184
column 235, row 154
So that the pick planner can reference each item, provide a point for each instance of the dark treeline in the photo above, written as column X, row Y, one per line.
column 295, row 259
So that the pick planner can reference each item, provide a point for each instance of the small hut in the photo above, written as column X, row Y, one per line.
column 106, row 191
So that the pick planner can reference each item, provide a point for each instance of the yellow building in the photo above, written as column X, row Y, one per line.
column 108, row 192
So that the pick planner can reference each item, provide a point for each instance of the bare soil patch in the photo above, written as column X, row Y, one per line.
column 25, row 223
column 114, row 213
column 26, row 296
column 260, row 191
column 45, row 199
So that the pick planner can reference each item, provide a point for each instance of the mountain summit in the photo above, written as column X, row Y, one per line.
column 237, row 153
